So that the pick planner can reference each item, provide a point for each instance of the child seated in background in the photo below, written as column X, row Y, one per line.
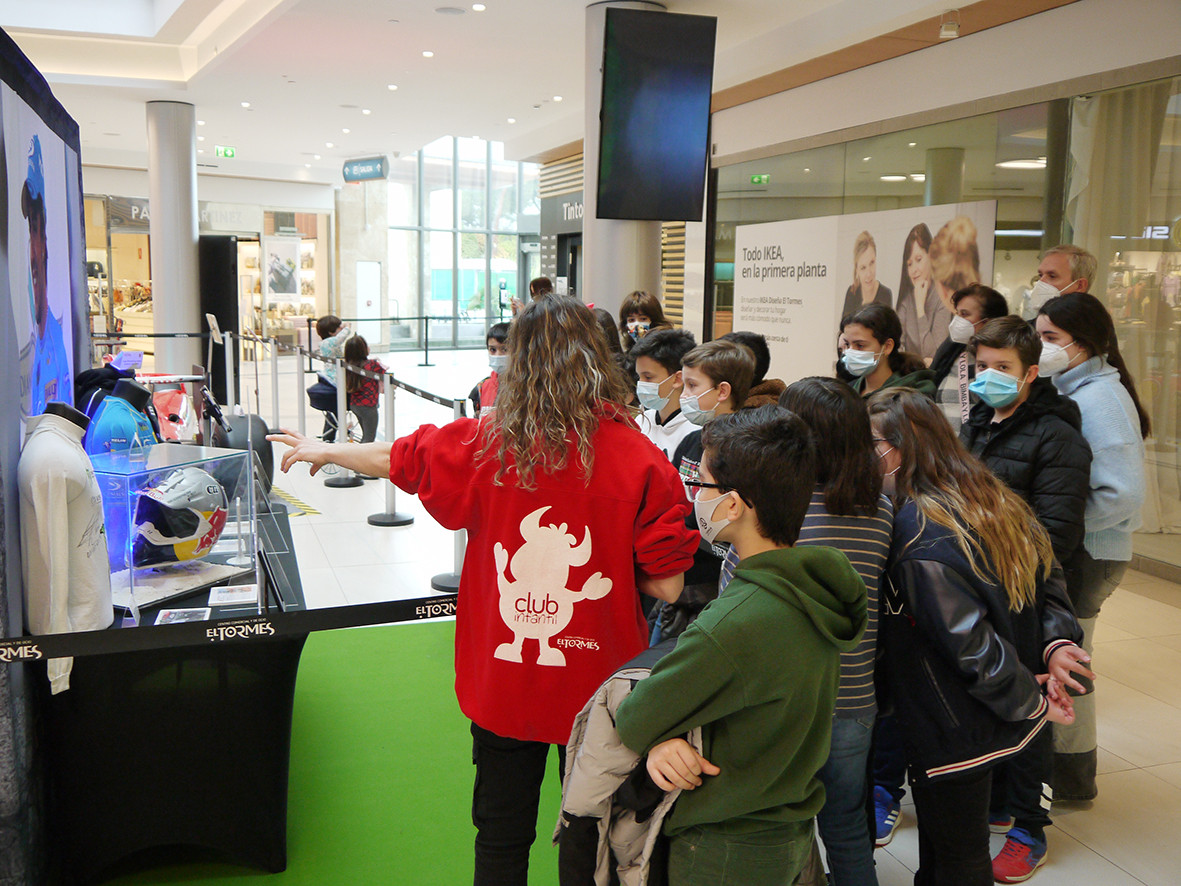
column 757, row 671
column 483, row 395
column 333, row 334
column 658, row 358
column 363, row 391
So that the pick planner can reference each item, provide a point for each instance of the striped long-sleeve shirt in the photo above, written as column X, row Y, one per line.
column 866, row 542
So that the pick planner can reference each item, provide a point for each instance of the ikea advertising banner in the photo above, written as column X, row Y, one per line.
column 795, row 280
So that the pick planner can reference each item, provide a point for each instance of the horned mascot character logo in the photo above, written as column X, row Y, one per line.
column 537, row 605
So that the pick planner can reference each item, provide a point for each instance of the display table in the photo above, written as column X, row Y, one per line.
column 185, row 746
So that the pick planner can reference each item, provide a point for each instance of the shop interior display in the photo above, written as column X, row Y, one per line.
column 266, row 311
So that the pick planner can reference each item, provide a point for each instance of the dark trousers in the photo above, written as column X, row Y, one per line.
column 953, row 829
column 1018, row 783
column 367, row 416
column 889, row 757
column 507, row 793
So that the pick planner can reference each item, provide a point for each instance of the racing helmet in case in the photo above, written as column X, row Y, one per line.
column 179, row 518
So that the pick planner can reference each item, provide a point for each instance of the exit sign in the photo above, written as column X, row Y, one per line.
column 763, row 179
column 226, row 151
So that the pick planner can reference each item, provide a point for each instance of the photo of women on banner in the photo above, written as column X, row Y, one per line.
column 866, row 288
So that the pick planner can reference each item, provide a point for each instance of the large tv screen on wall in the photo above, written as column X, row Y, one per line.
column 654, row 117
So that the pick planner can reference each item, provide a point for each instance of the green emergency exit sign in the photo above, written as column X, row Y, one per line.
column 763, row 179
column 226, row 151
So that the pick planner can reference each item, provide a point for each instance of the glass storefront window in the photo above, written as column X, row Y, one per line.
column 473, row 287
column 472, row 156
column 438, row 210
column 403, row 191
column 404, row 280
column 438, row 298
column 1123, row 204
column 506, row 271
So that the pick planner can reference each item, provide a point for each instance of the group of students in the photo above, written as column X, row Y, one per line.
column 840, row 531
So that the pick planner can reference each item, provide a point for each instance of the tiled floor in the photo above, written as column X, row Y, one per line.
column 1129, row 835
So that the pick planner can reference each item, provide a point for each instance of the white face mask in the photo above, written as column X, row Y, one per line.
column 648, row 393
column 703, row 510
column 961, row 329
column 1042, row 292
column 861, row 363
column 1054, row 358
column 497, row 362
column 691, row 407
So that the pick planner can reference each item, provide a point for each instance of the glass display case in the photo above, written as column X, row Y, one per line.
column 179, row 520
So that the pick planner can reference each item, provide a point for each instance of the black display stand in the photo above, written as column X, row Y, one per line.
column 175, row 747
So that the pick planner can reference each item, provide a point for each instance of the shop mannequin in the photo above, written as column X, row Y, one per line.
column 63, row 541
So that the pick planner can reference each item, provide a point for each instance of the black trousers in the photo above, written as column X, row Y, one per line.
column 953, row 829
column 1018, row 783
column 505, row 799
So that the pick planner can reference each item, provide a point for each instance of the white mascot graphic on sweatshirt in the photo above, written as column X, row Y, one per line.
column 537, row 605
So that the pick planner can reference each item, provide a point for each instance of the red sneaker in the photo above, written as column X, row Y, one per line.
column 1019, row 859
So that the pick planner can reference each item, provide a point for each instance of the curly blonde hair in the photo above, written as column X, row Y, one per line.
column 552, row 393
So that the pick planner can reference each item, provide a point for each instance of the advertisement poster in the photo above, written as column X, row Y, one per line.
column 282, row 267
column 795, row 280
column 38, row 250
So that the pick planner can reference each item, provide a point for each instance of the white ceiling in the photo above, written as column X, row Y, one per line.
column 310, row 67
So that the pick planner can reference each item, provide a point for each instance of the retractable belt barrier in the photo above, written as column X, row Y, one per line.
column 249, row 627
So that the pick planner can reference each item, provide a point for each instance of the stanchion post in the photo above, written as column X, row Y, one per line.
column 300, row 396
column 426, row 342
column 310, row 368
column 231, row 345
column 448, row 582
column 345, row 479
column 390, row 516
column 274, row 343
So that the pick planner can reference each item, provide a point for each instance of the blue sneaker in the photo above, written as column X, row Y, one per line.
column 886, row 813
column 1020, row 857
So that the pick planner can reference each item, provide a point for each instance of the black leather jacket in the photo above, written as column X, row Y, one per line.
column 959, row 663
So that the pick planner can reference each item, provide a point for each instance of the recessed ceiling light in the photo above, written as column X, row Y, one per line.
column 478, row 7
column 557, row 98
column 892, row 178
column 426, row 53
column 346, row 130
column 315, row 156
column 450, row 10
column 866, row 159
column 200, row 150
column 1023, row 164
column 328, row 144
column 918, row 176
column 512, row 119
column 366, row 111
column 246, row 104
column 911, row 144
column 806, row 169
column 307, row 165
column 391, row 87
column 200, row 122
column 200, row 138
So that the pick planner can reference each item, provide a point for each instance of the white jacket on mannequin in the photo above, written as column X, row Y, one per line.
column 67, row 581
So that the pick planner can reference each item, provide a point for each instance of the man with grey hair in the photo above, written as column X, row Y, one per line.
column 1063, row 269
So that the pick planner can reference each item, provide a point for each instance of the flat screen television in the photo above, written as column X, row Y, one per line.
column 654, row 116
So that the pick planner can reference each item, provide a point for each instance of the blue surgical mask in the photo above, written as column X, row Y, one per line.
column 691, row 407
column 861, row 363
column 498, row 362
column 648, row 393
column 996, row 388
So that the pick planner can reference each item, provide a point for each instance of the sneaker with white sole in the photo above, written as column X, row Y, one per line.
column 999, row 823
column 1020, row 857
column 887, row 811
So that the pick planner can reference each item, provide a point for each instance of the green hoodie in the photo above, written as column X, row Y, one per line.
column 758, row 671
column 922, row 380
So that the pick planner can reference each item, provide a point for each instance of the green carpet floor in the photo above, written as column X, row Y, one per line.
column 381, row 773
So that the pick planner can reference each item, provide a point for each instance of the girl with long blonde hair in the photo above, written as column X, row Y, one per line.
column 975, row 604
column 569, row 511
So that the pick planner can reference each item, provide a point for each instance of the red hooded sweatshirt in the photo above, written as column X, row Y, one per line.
column 548, row 606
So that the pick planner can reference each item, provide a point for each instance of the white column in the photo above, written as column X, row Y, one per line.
column 945, row 176
column 172, row 195
column 617, row 256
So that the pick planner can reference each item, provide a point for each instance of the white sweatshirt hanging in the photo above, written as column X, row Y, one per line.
column 63, row 540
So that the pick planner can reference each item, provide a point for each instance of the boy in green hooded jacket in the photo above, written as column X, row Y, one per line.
column 757, row 671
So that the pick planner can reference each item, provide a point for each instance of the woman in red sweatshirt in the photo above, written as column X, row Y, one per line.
column 569, row 512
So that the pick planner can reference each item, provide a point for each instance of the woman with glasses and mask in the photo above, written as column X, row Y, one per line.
column 1082, row 357
column 977, row 635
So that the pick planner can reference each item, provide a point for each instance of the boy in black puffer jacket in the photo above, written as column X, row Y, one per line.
column 1029, row 436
